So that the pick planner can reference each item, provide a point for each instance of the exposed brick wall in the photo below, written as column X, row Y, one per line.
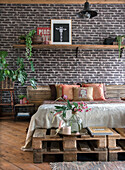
column 61, row 65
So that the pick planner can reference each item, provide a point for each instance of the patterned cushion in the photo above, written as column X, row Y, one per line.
column 83, row 93
column 98, row 92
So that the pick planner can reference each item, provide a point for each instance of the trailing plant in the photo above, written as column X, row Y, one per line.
column 18, row 74
column 29, row 43
column 119, row 39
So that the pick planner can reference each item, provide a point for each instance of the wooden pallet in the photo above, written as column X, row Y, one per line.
column 116, row 144
column 47, row 144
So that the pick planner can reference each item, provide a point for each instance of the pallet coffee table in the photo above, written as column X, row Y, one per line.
column 116, row 144
column 48, row 146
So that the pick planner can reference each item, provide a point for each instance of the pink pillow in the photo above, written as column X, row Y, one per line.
column 68, row 90
column 98, row 93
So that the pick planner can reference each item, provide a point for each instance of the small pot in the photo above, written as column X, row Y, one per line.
column 24, row 100
column 21, row 101
column 37, row 39
column 22, row 41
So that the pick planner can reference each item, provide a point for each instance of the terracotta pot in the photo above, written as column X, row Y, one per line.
column 24, row 100
column 37, row 39
column 22, row 42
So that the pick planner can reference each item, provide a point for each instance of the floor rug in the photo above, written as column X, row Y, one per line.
column 117, row 165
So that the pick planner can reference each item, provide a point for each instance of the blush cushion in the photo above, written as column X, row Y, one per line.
column 98, row 92
column 68, row 90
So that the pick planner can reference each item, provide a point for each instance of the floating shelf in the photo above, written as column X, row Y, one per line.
column 62, row 1
column 73, row 46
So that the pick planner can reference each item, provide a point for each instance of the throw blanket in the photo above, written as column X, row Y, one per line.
column 109, row 115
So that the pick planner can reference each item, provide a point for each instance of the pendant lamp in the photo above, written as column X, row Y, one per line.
column 87, row 13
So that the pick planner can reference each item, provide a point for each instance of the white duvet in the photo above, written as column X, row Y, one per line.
column 110, row 115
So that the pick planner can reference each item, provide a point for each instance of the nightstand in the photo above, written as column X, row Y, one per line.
column 24, row 110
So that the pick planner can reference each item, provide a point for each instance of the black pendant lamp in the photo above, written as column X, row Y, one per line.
column 87, row 13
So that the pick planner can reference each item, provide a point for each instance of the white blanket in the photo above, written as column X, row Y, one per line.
column 109, row 115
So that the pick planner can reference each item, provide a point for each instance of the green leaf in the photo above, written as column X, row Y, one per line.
column 32, row 67
column 64, row 114
column 58, row 107
column 3, row 54
column 69, row 105
column 75, row 104
column 33, row 83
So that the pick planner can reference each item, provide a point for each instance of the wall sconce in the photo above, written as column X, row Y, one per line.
column 87, row 13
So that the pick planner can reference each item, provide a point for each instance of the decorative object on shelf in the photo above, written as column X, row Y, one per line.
column 61, row 31
column 109, row 41
column 75, row 121
column 37, row 39
column 22, row 39
column 19, row 74
column 87, row 13
column 120, row 40
column 44, row 32
column 21, row 96
column 23, row 99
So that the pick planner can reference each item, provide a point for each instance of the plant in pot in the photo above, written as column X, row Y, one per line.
column 120, row 40
column 21, row 96
column 22, row 39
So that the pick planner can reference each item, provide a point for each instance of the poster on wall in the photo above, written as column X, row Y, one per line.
column 45, row 33
column 61, row 31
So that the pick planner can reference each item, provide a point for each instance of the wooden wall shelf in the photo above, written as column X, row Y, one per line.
column 62, row 1
column 73, row 46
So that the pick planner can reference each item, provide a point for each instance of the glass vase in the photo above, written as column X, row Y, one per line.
column 75, row 122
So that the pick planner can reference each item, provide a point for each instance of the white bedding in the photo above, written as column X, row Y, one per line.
column 110, row 115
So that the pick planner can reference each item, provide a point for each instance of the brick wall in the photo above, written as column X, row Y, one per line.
column 61, row 65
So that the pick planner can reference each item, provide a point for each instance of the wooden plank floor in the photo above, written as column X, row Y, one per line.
column 12, row 137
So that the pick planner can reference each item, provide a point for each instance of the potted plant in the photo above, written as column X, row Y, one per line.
column 22, row 39
column 21, row 96
column 120, row 40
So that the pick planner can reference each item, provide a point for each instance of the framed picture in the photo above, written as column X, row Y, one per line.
column 45, row 33
column 61, row 31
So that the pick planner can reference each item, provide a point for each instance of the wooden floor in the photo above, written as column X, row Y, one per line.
column 12, row 137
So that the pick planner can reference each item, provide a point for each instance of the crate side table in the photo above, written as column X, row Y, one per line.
column 30, row 108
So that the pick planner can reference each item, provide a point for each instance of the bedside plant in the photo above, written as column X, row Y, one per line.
column 23, row 99
column 120, row 39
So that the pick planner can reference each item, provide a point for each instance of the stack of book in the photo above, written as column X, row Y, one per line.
column 100, row 131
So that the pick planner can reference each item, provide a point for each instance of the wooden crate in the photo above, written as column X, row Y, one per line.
column 115, row 91
column 47, row 144
column 37, row 96
column 116, row 144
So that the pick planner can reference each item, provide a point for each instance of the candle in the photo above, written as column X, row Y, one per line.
column 67, row 130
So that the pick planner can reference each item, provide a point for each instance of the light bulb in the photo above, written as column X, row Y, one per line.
column 87, row 15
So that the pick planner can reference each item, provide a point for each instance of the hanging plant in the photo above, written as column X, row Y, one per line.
column 120, row 39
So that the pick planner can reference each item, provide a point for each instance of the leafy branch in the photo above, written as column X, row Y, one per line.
column 119, row 39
